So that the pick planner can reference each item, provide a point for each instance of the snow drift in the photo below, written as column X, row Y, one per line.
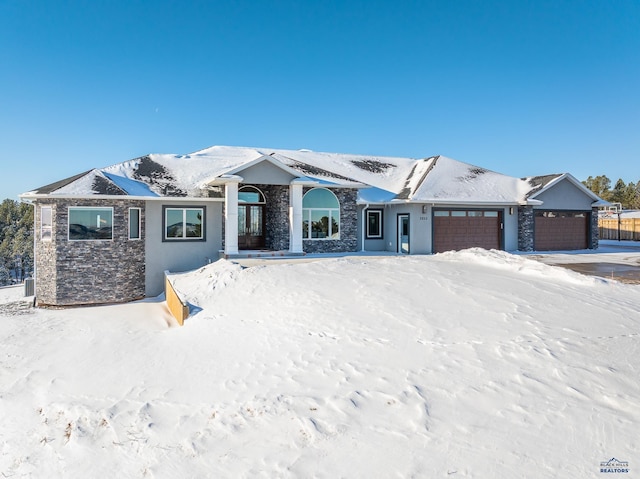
column 469, row 364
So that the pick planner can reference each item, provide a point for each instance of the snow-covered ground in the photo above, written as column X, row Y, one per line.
column 469, row 364
column 609, row 251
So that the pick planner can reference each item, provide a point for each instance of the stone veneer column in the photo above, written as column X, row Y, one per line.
column 526, row 231
column 295, row 217
column 231, row 215
column 595, row 231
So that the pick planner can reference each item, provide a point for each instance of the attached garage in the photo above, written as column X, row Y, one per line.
column 455, row 229
column 561, row 230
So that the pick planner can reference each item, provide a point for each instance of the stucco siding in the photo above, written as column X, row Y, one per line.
column 510, row 217
column 265, row 173
column 564, row 196
column 179, row 255
column 421, row 226
column 371, row 244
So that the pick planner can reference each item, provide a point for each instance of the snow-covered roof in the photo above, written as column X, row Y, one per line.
column 453, row 181
column 380, row 179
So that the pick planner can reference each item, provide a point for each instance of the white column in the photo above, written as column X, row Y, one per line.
column 231, row 216
column 295, row 217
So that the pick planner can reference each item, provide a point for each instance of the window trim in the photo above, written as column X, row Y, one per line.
column 306, row 217
column 48, row 228
column 70, row 208
column 203, row 236
column 253, row 189
column 139, row 237
column 380, row 214
column 448, row 212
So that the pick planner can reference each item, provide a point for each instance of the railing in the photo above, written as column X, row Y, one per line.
column 623, row 229
column 179, row 309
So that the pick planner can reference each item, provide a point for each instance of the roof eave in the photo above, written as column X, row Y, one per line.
column 449, row 201
column 32, row 197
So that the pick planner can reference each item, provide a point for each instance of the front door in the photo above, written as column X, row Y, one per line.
column 403, row 234
column 250, row 226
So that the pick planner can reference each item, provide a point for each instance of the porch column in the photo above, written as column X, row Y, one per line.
column 231, row 215
column 295, row 217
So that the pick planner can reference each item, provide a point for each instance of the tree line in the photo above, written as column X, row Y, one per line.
column 16, row 241
column 627, row 194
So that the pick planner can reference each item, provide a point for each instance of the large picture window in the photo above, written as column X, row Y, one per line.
column 46, row 223
column 374, row 224
column 320, row 215
column 87, row 223
column 184, row 223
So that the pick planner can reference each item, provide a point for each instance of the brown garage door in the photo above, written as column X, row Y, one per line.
column 561, row 230
column 460, row 229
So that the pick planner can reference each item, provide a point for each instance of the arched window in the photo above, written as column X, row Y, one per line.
column 320, row 215
column 250, row 194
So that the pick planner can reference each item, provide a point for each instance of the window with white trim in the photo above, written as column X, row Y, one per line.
column 320, row 215
column 134, row 223
column 250, row 194
column 183, row 224
column 374, row 224
column 87, row 223
column 46, row 223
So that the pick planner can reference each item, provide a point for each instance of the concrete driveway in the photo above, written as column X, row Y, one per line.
column 619, row 260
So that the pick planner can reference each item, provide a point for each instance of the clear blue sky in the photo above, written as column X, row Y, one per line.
column 519, row 87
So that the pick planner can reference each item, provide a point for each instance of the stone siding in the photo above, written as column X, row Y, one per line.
column 89, row 272
column 348, row 241
column 595, row 231
column 277, row 221
column 45, row 256
column 526, row 228
column 276, row 216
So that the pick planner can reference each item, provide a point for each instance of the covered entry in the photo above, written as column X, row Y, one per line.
column 561, row 230
column 251, row 218
column 455, row 229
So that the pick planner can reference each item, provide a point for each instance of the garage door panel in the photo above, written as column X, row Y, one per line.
column 466, row 229
column 561, row 230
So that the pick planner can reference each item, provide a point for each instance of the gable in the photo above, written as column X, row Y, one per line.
column 265, row 172
column 47, row 189
column 564, row 195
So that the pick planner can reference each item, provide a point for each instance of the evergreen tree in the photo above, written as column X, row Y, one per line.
column 16, row 238
column 618, row 192
column 626, row 194
column 635, row 203
column 600, row 185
